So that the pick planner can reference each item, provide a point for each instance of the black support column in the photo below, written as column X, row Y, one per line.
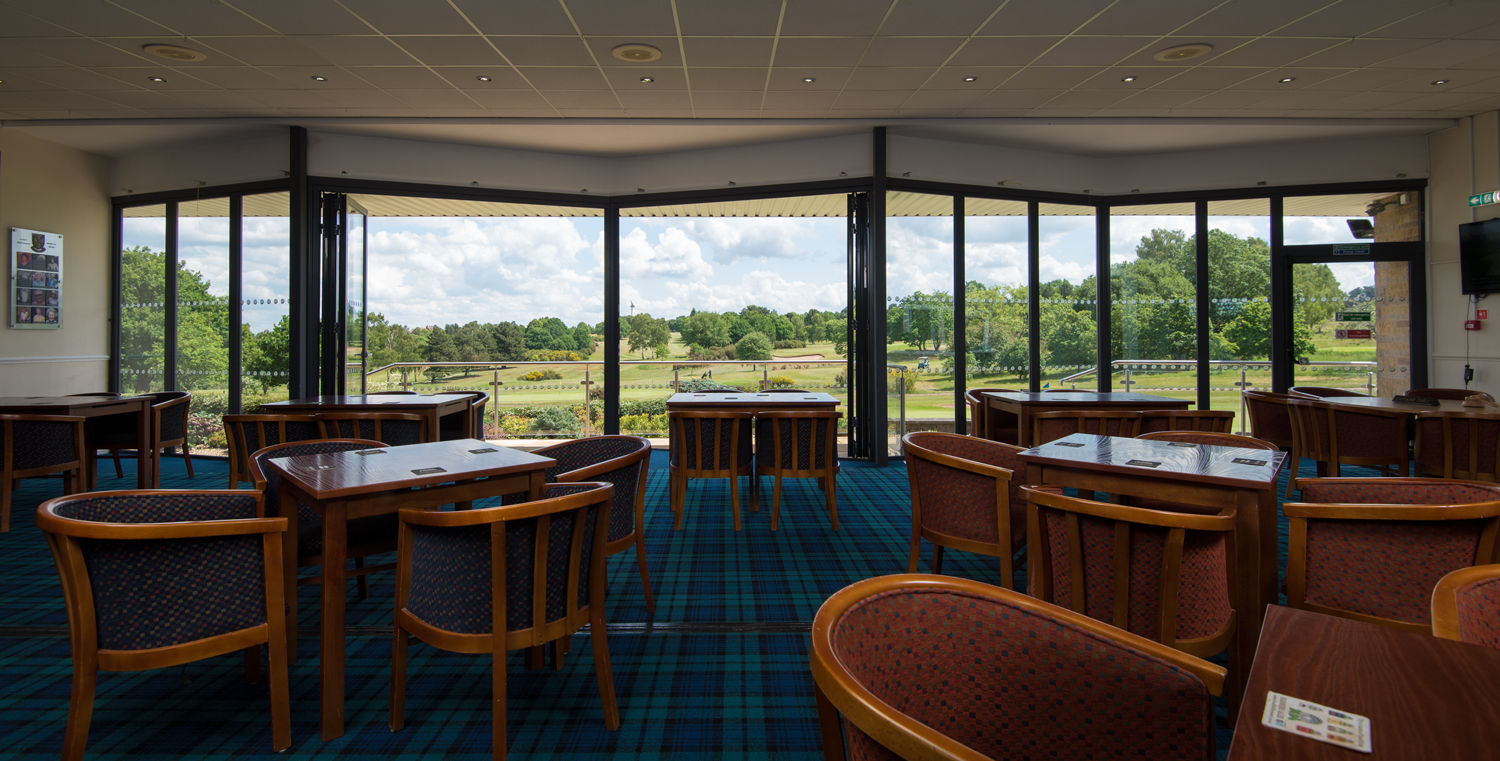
column 960, row 340
column 1103, row 312
column 1033, row 295
column 236, row 299
column 1205, row 304
column 875, row 360
column 1282, row 359
column 169, row 312
column 611, row 320
column 302, row 288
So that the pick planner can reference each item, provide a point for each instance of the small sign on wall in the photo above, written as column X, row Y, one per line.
column 36, row 271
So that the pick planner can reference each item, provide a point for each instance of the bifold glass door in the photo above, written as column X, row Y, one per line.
column 343, row 314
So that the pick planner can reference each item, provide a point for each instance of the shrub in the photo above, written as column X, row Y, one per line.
column 898, row 378
column 782, row 381
column 644, row 407
column 541, row 375
column 555, row 419
column 206, row 431
column 644, row 423
column 553, row 355
column 514, row 425
column 793, row 344
column 754, row 346
column 712, row 353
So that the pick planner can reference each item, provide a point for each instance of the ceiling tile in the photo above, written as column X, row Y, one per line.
column 427, row 99
column 1362, row 79
column 189, row 113
column 1117, row 112
column 864, row 113
column 47, row 114
column 800, row 100
column 995, row 113
column 456, row 113
column 194, row 17
column 264, row 51
column 13, row 81
column 728, row 114
column 95, row 18
column 1015, row 99
column 1443, row 54
column 114, row 113
column 726, row 100
column 1343, row 20
column 791, row 79
column 1485, row 84
column 987, row 77
column 593, row 113
column 1252, row 18
column 467, row 77
column 940, row 17
column 517, row 18
column 821, row 51
column 1087, row 99
column 290, row 98
column 663, row 99
column 524, row 113
column 362, row 99
column 790, row 113
column 302, row 16
column 911, row 51
column 238, row 78
column 659, row 113
column 11, row 56
column 1062, row 113
column 303, row 77
column 871, row 99
column 1199, row 113
column 1439, row 100
column 1114, row 79
column 729, row 79
column 1491, row 32
column 1229, row 99
column 1358, row 53
column 929, row 113
column 873, row 78
column 78, row 51
column 603, row 47
column 355, row 51
column 1415, row 80
column 1150, row 17
column 728, row 51
column 108, row 79
column 943, row 99
column 544, row 51
column 1220, row 45
column 558, row 78
column 642, row 17
column 854, row 17
column 1447, row 20
column 17, row 24
column 1303, row 99
column 1050, row 77
column 411, row 16
column 76, row 100
column 1094, row 51
column 1160, row 98
column 385, row 111
column 582, row 98
column 318, row 112
column 716, row 17
column 629, row 78
column 452, row 51
column 1044, row 16
column 509, row 99
column 1489, row 62
column 1272, row 52
column 1271, row 80
column 1002, row 51
column 1367, row 100
column 201, row 98
column 415, row 77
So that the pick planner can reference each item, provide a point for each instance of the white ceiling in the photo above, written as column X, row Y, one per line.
column 388, row 65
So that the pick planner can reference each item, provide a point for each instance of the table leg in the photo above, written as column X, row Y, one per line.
column 331, row 643
column 538, row 480
column 143, row 478
column 288, row 508
column 1255, row 554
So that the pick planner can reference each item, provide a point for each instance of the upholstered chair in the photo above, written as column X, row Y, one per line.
column 248, row 434
column 711, row 444
column 1050, row 426
column 394, row 428
column 1458, row 445
column 1271, row 420
column 39, row 445
column 1215, row 421
column 799, row 444
column 1466, row 606
column 965, row 494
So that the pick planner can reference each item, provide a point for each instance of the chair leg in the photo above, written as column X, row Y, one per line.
column 775, row 500
column 252, row 664
column 360, row 582
column 830, row 725
column 497, row 700
column 734, row 498
column 5, row 506
column 915, row 556
column 833, row 502
column 281, row 701
column 187, row 459
column 602, row 670
column 754, row 492
column 80, row 708
column 155, row 468
column 560, row 647
column 119, row 473
column 535, row 657
column 937, row 558
column 681, row 498
column 640, row 559
column 398, row 679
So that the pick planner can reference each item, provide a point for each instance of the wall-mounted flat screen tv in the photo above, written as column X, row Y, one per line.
column 1479, row 256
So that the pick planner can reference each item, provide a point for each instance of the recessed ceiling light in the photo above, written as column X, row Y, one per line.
column 1284, row 80
column 175, row 53
column 1441, row 82
column 1184, row 52
column 809, row 79
column 156, row 79
column 483, row 79
column 971, row 79
column 648, row 79
column 320, row 79
column 636, row 52
column 1127, row 79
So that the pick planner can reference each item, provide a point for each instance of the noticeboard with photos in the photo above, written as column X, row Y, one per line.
column 36, row 267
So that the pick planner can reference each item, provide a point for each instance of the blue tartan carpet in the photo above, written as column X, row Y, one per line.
column 729, row 678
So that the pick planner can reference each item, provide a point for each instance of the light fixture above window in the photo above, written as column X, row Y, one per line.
column 320, row 79
column 156, row 79
column 1127, row 79
column 809, row 80
column 1285, row 80
column 648, row 80
column 636, row 52
column 1441, row 82
column 971, row 79
column 482, row 79
column 1184, row 52
column 175, row 53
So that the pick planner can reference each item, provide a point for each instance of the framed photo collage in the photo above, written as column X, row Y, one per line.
column 36, row 266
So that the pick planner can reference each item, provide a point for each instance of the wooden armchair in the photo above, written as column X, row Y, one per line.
column 1213, row 421
column 1050, row 426
column 799, row 444
column 393, row 428
column 39, row 445
column 711, row 444
column 248, row 434
column 1459, row 445
column 965, row 494
column 1271, row 420
column 980, row 424
column 1466, row 606
column 1331, row 435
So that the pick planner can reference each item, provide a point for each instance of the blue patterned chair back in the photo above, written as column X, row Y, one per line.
column 41, row 441
column 451, row 573
column 248, row 434
column 151, row 593
column 396, row 429
column 268, row 480
column 174, row 417
column 812, row 436
column 579, row 460
column 698, row 435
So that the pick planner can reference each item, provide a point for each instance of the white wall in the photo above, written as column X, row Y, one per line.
column 1465, row 160
column 195, row 166
column 45, row 186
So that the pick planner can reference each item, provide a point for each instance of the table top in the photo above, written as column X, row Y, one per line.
column 1425, row 697
column 753, row 401
column 1386, row 403
column 1095, row 398
column 1190, row 462
column 344, row 474
column 53, row 402
column 373, row 400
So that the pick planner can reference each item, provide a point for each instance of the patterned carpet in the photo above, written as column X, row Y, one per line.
column 726, row 676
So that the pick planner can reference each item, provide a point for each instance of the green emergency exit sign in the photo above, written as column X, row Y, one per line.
column 1484, row 199
column 1351, row 316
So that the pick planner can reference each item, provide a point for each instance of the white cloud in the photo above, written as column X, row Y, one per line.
column 730, row 239
column 674, row 254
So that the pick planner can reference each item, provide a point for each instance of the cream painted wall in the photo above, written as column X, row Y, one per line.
column 48, row 187
column 1465, row 160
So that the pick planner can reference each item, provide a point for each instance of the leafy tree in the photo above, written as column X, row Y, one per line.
column 1015, row 354
column 754, row 346
column 583, row 339
column 836, row 329
column 647, row 332
column 440, row 348
column 705, row 330
column 267, row 354
column 510, row 342
column 1316, row 293
column 1070, row 339
column 1250, row 333
column 920, row 320
column 389, row 343
column 549, row 333
column 785, row 331
column 202, row 324
column 736, row 326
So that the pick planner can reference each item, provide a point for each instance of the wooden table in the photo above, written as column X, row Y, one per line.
column 98, row 410
column 344, row 486
column 1386, row 403
column 1426, row 698
column 1196, row 475
column 1014, row 409
column 752, row 402
column 432, row 407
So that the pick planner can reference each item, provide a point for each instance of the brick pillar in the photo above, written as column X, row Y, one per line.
column 1394, row 222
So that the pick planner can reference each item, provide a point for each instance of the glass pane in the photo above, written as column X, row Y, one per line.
column 502, row 298
column 1153, row 299
column 1382, row 217
column 265, row 323
column 919, row 313
column 1345, row 319
column 1239, row 284
column 143, row 294
column 747, row 294
column 995, row 272
column 1069, row 308
column 203, row 319
column 354, row 304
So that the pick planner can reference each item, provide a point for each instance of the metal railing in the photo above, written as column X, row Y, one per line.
column 901, row 421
